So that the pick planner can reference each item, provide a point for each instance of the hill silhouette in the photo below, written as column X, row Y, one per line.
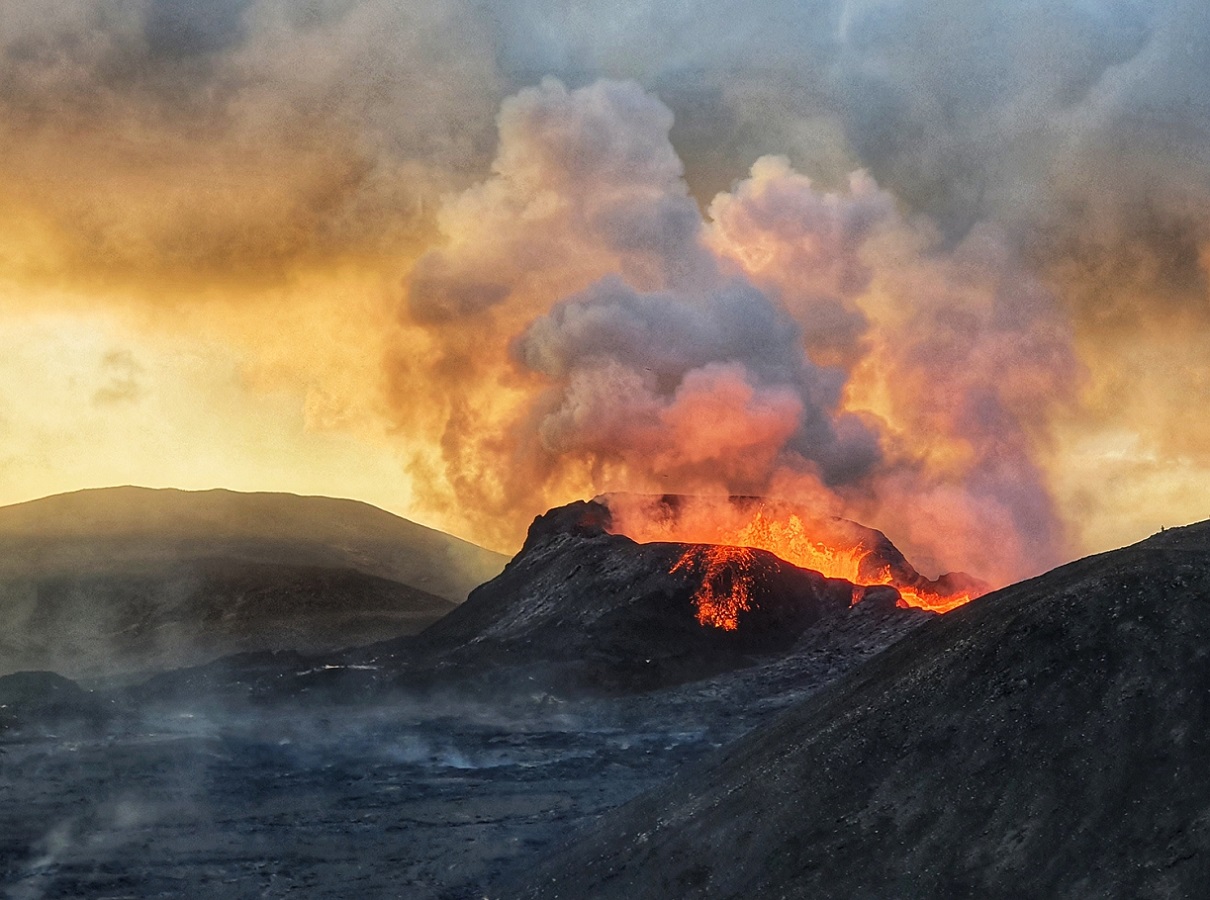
column 118, row 579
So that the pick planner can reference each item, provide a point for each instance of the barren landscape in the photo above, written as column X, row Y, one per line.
column 436, row 766
column 856, row 749
column 628, row 450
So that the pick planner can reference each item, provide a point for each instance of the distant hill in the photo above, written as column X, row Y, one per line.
column 1049, row 740
column 119, row 579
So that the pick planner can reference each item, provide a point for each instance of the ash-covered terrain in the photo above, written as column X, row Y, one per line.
column 574, row 730
column 1049, row 740
column 427, row 766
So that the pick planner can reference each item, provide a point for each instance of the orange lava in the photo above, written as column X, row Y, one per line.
column 938, row 603
column 726, row 588
column 726, row 567
column 789, row 541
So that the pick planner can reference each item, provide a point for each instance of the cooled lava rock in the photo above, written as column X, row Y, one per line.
column 1049, row 740
column 46, row 701
column 612, row 614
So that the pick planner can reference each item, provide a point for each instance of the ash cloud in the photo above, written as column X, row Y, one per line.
column 1079, row 127
column 233, row 142
column 192, row 151
column 704, row 389
column 712, row 361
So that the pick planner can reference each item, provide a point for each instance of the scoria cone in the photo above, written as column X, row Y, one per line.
column 582, row 607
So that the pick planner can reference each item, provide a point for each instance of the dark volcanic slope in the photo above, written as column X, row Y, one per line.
column 609, row 613
column 1049, row 740
column 583, row 612
column 119, row 579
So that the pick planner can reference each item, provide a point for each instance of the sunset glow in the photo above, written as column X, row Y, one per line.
column 410, row 255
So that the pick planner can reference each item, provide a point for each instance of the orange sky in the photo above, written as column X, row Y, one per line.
column 251, row 249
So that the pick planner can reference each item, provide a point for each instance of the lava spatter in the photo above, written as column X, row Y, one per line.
column 726, row 588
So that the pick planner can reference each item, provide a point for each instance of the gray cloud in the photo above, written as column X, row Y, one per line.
column 1037, row 116
column 667, row 341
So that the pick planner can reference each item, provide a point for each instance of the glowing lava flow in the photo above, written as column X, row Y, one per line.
column 938, row 603
column 726, row 588
column 789, row 541
column 726, row 566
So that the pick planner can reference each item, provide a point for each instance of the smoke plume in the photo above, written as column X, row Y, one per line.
column 812, row 344
column 941, row 265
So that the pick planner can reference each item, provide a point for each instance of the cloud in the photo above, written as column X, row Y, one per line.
column 805, row 245
column 121, row 373
column 235, row 141
column 676, row 348
column 808, row 342
column 1050, row 156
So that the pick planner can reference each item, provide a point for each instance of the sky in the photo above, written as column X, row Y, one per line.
column 940, row 266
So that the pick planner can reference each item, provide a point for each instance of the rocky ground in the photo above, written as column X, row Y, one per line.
column 1046, row 740
column 1049, row 740
column 439, row 766
column 441, row 797
column 397, row 803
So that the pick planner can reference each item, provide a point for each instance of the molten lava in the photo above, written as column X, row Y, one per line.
column 726, row 588
column 932, row 601
column 835, row 549
column 789, row 541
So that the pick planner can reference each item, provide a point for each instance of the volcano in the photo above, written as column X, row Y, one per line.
column 1047, row 741
column 580, row 606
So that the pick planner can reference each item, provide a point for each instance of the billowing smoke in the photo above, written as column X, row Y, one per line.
column 962, row 277
column 793, row 342
column 233, row 141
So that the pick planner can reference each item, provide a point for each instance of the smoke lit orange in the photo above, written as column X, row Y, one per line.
column 726, row 564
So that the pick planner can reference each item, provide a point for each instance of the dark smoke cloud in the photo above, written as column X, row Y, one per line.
column 179, row 29
column 728, row 365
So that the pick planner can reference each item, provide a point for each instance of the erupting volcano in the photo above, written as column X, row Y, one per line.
column 731, row 527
